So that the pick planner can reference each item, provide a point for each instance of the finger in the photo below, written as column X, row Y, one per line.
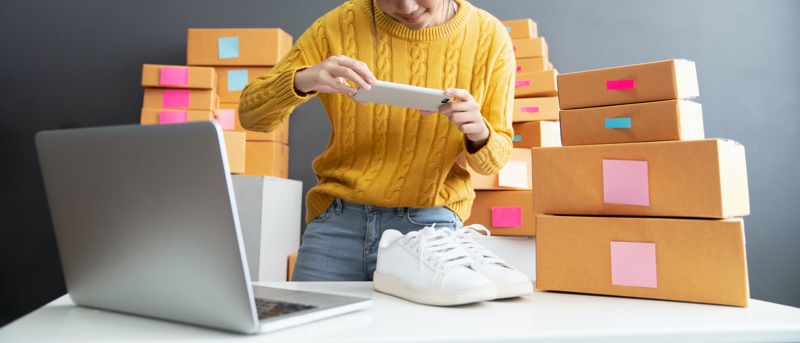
column 361, row 69
column 425, row 113
column 350, row 74
column 459, row 94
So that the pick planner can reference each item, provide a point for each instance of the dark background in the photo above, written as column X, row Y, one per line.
column 78, row 63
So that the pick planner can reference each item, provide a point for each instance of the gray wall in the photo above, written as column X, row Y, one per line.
column 78, row 63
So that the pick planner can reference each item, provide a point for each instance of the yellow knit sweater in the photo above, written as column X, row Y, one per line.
column 392, row 156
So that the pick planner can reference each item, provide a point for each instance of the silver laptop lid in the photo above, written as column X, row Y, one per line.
column 145, row 221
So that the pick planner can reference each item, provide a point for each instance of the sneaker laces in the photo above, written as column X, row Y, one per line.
column 438, row 248
column 465, row 236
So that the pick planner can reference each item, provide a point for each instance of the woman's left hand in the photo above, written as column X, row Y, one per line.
column 464, row 112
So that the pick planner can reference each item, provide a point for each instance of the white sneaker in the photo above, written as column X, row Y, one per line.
column 509, row 281
column 428, row 267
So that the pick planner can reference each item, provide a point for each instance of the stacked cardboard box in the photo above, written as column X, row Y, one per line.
column 179, row 94
column 503, row 202
column 238, row 56
column 637, row 203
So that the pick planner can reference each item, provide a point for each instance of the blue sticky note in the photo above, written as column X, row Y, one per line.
column 508, row 29
column 516, row 138
column 228, row 47
column 618, row 123
column 237, row 79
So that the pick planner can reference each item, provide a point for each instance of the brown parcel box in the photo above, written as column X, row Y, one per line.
column 534, row 109
column 150, row 115
column 254, row 47
column 235, row 148
column 536, row 84
column 642, row 122
column 169, row 76
column 530, row 47
column 694, row 260
column 527, row 65
column 537, row 134
column 511, row 211
column 655, row 81
column 267, row 158
column 521, row 28
column 281, row 134
column 292, row 260
column 224, row 87
column 699, row 179
column 189, row 99
column 515, row 175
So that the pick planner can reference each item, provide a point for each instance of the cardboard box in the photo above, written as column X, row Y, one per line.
column 267, row 158
column 169, row 76
column 530, row 47
column 535, row 109
column 655, row 81
column 696, row 179
column 270, row 218
column 531, row 64
column 237, row 47
column 515, row 175
column 521, row 28
column 537, row 134
column 236, row 149
column 281, row 134
column 233, row 79
column 672, row 259
column 188, row 99
column 292, row 260
column 631, row 123
column 536, row 84
column 151, row 116
column 504, row 213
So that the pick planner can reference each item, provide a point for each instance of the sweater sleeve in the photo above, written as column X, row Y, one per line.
column 269, row 99
column 497, row 109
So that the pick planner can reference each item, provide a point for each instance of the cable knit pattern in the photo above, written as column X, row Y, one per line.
column 391, row 156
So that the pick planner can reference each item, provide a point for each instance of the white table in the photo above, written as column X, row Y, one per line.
column 543, row 316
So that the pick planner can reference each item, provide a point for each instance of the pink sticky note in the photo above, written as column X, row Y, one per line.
column 522, row 83
column 226, row 118
column 172, row 117
column 625, row 182
column 515, row 47
column 507, row 216
column 514, row 174
column 529, row 109
column 175, row 98
column 519, row 68
column 615, row 85
column 174, row 76
column 633, row 264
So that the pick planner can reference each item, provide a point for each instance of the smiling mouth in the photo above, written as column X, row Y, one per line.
column 412, row 19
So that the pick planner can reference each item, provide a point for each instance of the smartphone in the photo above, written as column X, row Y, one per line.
column 396, row 94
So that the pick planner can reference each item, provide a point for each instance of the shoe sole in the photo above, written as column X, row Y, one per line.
column 446, row 297
column 514, row 289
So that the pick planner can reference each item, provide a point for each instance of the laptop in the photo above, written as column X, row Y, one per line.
column 146, row 223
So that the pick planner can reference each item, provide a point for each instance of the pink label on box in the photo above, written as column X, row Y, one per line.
column 615, row 85
column 529, row 109
column 519, row 69
column 172, row 117
column 634, row 264
column 226, row 118
column 177, row 98
column 522, row 83
column 174, row 76
column 507, row 216
column 626, row 182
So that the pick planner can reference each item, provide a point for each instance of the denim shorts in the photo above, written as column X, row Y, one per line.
column 341, row 244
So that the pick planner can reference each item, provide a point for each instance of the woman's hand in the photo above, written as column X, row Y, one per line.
column 329, row 76
column 464, row 112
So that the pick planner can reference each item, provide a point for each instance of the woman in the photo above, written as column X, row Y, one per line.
column 390, row 167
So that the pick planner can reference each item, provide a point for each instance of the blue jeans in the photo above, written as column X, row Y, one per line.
column 341, row 244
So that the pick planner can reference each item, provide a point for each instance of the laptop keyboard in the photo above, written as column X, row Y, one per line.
column 268, row 308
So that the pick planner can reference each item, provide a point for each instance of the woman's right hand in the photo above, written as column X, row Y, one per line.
column 329, row 76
